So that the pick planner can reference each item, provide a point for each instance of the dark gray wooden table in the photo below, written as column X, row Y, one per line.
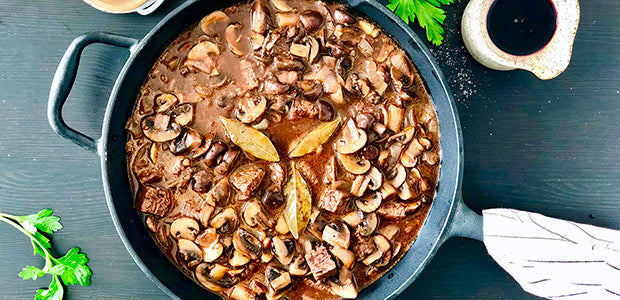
column 545, row 146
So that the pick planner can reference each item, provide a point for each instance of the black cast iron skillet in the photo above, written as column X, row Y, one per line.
column 448, row 216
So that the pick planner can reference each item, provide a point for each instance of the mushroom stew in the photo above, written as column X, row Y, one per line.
column 283, row 149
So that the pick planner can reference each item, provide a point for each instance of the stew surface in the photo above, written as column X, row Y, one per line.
column 283, row 149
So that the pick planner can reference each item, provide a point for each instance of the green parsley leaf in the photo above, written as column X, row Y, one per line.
column 46, row 222
column 31, row 272
column 54, row 292
column 428, row 12
column 69, row 269
column 75, row 268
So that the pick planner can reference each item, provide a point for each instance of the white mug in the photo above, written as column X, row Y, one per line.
column 145, row 8
column 545, row 63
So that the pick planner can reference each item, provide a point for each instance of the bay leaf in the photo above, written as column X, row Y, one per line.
column 250, row 140
column 314, row 139
column 298, row 203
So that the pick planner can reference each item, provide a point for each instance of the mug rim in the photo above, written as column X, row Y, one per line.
column 143, row 4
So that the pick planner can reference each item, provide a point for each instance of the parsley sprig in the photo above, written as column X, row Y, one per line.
column 68, row 269
column 429, row 14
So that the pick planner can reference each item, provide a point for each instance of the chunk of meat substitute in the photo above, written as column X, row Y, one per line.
column 332, row 199
column 392, row 210
column 304, row 109
column 155, row 201
column 321, row 263
column 362, row 246
column 248, row 179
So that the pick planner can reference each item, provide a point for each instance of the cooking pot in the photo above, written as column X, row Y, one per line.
column 448, row 216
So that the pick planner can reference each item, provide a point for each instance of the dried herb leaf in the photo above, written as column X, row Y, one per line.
column 314, row 139
column 250, row 140
column 298, row 203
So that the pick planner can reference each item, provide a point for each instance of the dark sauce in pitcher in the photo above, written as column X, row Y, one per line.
column 521, row 27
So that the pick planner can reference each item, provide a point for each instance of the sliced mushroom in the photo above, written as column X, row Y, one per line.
column 401, row 70
column 389, row 231
column 158, row 128
column 203, row 148
column 369, row 203
column 154, row 152
column 187, row 140
column 212, row 252
column 248, row 111
column 164, row 102
column 281, row 226
column 209, row 276
column 260, row 19
column 241, row 292
column 344, row 285
column 201, row 181
column 299, row 266
column 217, row 148
column 376, row 178
column 407, row 192
column 403, row 137
column 376, row 81
column 354, row 218
column 345, row 256
column 431, row 158
column 266, row 257
column 385, row 51
column 247, row 243
column 341, row 17
column 409, row 157
column 281, row 5
column 359, row 185
column 382, row 255
column 395, row 117
column 182, row 114
column 239, row 259
column 285, row 19
column 227, row 161
column 235, row 272
column 233, row 37
column 219, row 192
column 369, row 224
column 368, row 28
column 351, row 138
column 207, row 237
column 190, row 252
column 254, row 216
column 283, row 249
column 277, row 279
column 205, row 214
column 387, row 190
column 218, row 272
column 314, row 49
column 354, row 164
column 337, row 234
column 398, row 175
column 312, row 20
column 213, row 22
column 301, row 50
column 184, row 228
column 411, row 207
column 226, row 221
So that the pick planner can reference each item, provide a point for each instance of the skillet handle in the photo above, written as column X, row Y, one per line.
column 65, row 77
column 465, row 222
